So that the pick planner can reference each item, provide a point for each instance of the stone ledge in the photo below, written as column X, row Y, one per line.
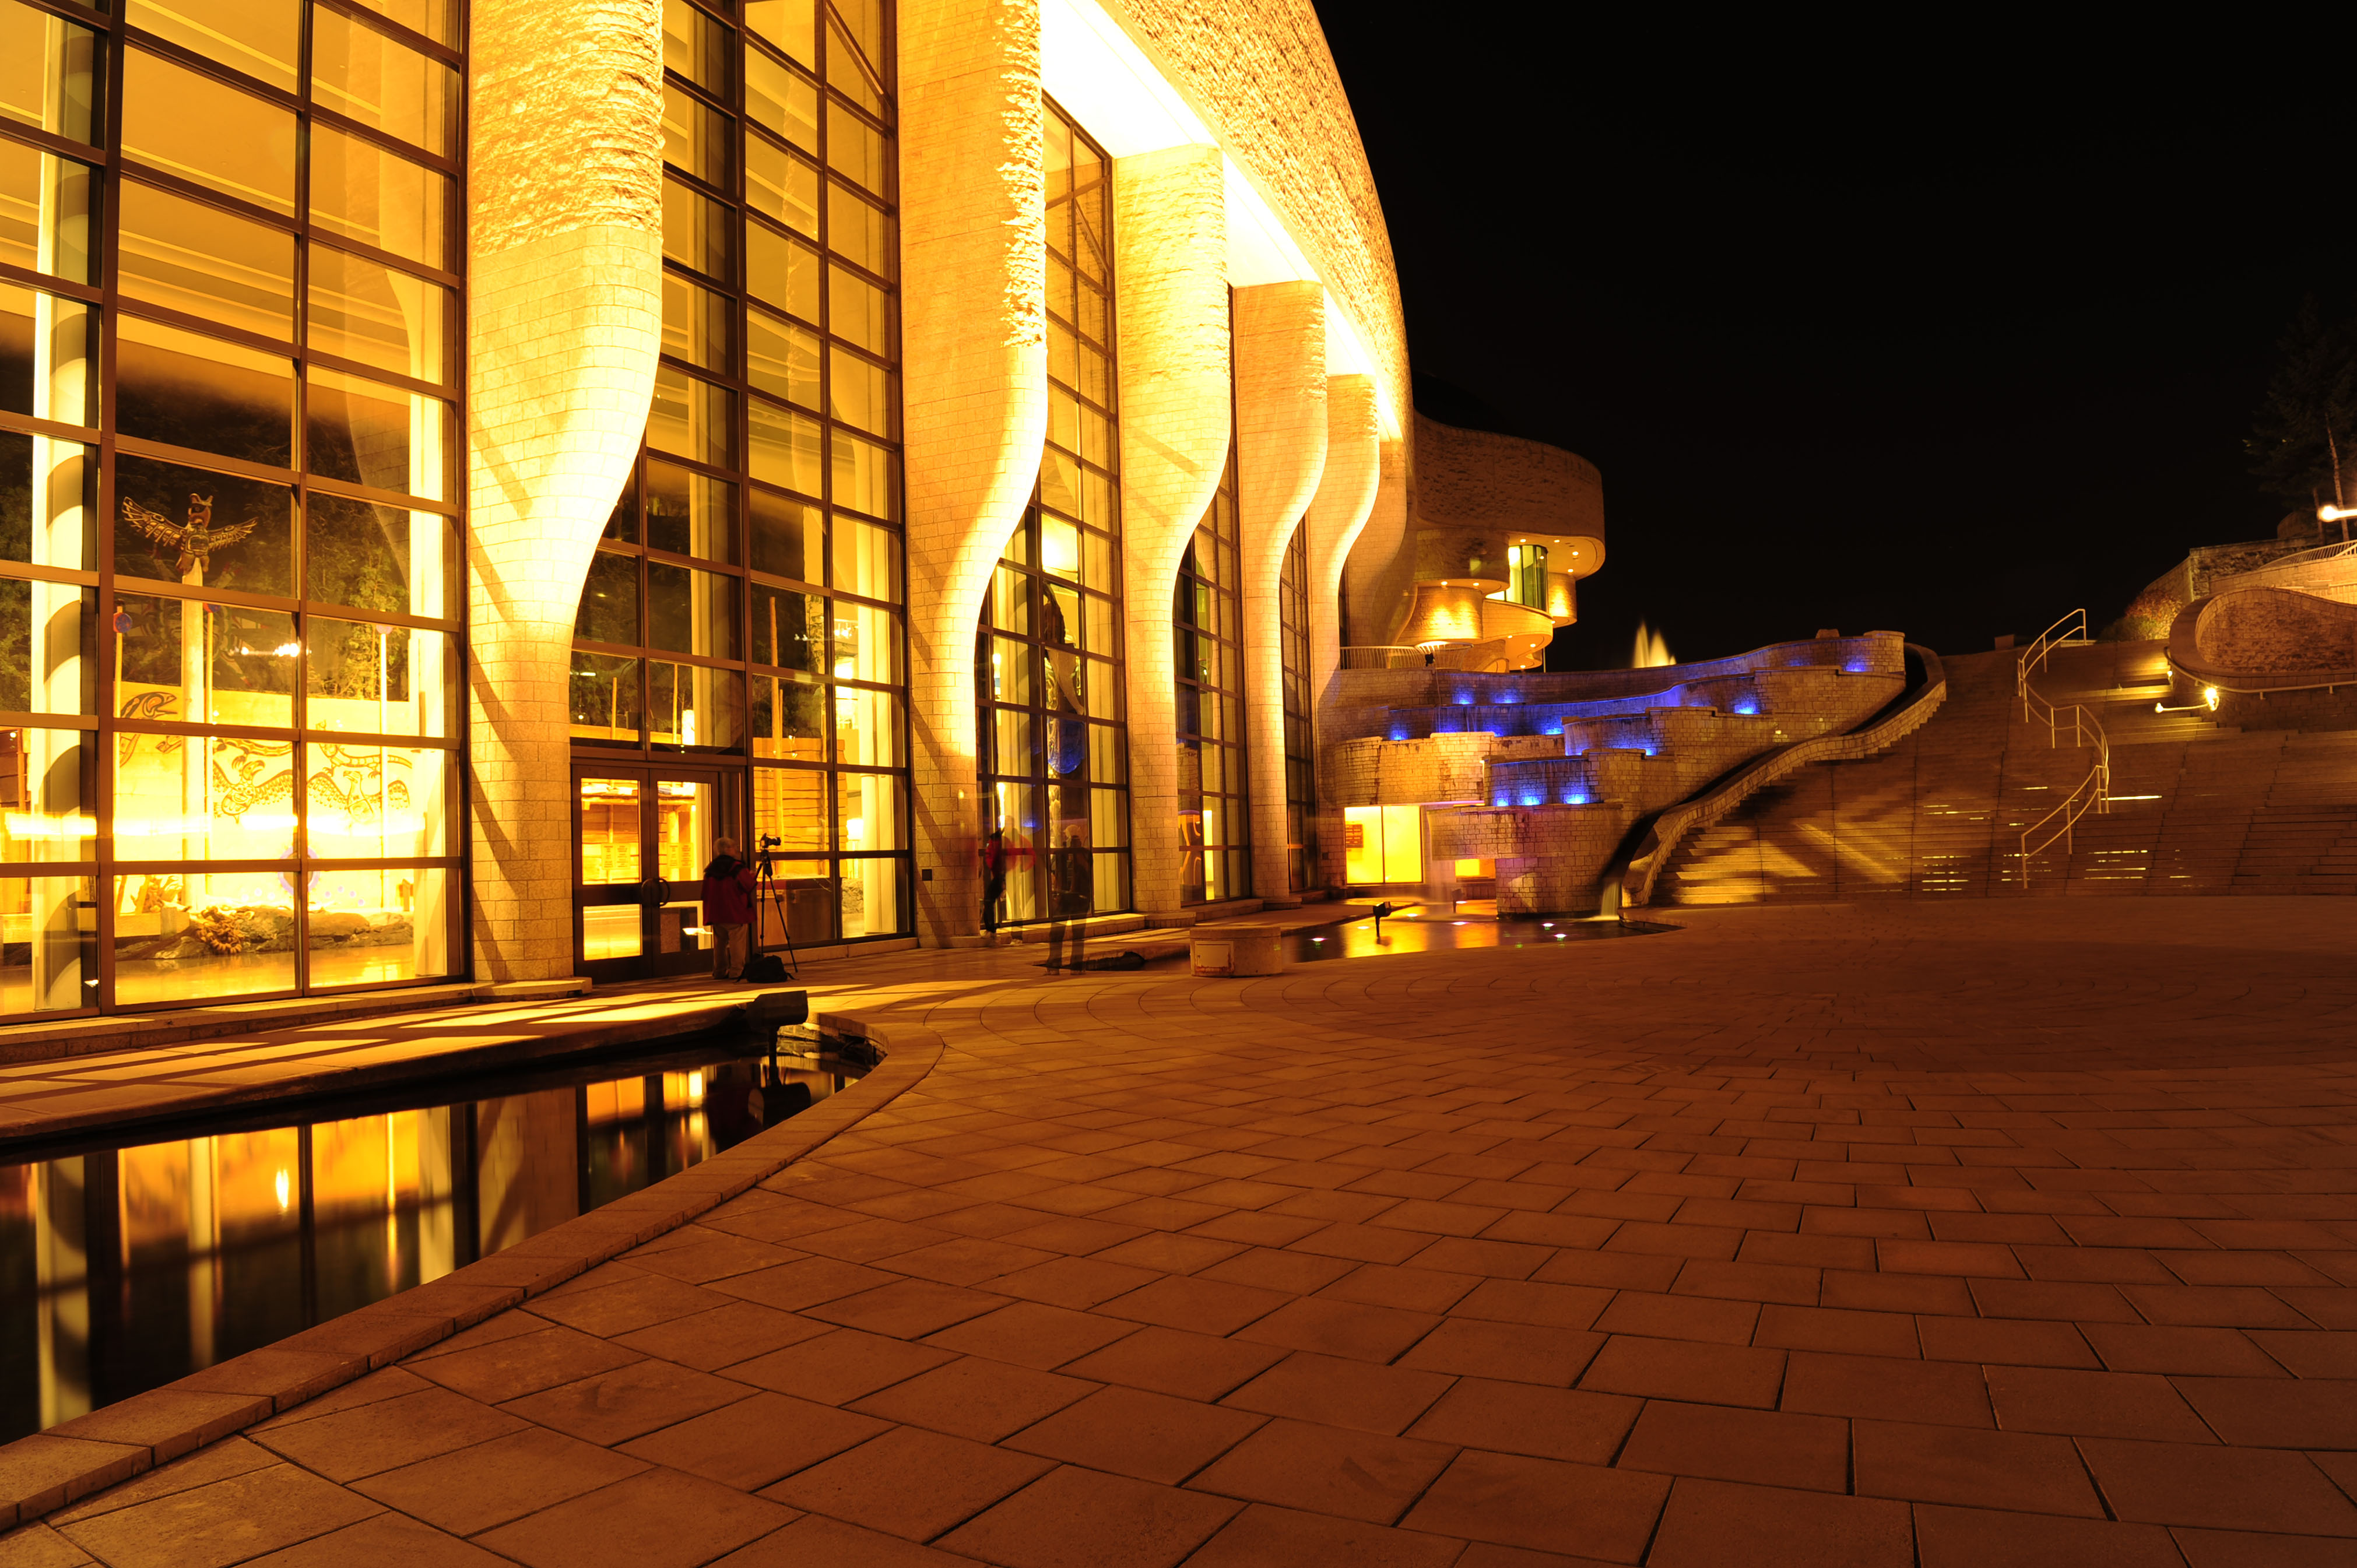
column 44, row 1472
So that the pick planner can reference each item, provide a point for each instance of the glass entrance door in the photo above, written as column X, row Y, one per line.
column 642, row 838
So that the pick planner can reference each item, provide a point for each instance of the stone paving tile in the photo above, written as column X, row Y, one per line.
column 1371, row 1262
column 220, row 1523
column 386, row 1538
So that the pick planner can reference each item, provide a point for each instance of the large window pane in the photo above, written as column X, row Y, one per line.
column 377, row 802
column 696, row 136
column 789, row 803
column 369, row 927
column 203, row 798
column 789, row 630
column 780, row 185
column 860, row 392
column 867, row 812
column 604, row 699
column 49, row 943
column 692, row 418
column 789, row 539
column 203, row 260
column 609, row 600
column 200, row 935
column 695, row 46
column 48, row 356
column 866, row 475
column 791, row 25
column 48, row 794
column 860, row 229
column 380, row 680
column 365, row 193
column 257, row 36
column 785, row 448
column 378, row 314
column 874, row 898
column 866, row 560
column 49, row 648
column 363, row 75
column 690, row 513
column 381, row 558
column 866, row 643
column 692, row 612
column 48, row 211
column 789, row 719
column 187, row 390
column 49, row 69
column 204, row 130
column 866, row 728
column 696, row 325
column 613, row 831
column 195, row 526
column 388, row 438
column 778, row 98
column 47, row 488
column 778, row 268
column 857, row 150
column 782, row 358
column 859, row 312
column 694, row 705
column 696, row 230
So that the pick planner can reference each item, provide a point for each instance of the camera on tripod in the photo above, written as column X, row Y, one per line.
column 768, row 842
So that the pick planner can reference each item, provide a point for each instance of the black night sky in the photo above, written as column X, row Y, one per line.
column 1856, row 344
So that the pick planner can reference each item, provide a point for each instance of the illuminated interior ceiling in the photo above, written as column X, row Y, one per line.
column 1577, row 553
column 1096, row 71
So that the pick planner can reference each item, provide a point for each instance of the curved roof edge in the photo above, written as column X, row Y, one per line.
column 1477, row 478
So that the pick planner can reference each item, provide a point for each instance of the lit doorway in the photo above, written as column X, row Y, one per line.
column 642, row 839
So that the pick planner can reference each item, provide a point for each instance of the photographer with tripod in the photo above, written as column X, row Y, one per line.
column 728, row 909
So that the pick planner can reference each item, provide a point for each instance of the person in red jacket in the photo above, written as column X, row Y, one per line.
column 727, row 908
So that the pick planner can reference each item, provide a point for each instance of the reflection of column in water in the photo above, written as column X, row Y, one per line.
column 204, row 1249
column 528, row 1166
column 61, row 1274
column 437, row 1177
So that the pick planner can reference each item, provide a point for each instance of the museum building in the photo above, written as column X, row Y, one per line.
column 458, row 463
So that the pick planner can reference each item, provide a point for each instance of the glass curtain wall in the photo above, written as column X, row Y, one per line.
column 1051, row 744
column 1206, row 631
column 229, row 599
column 1300, row 743
column 746, row 595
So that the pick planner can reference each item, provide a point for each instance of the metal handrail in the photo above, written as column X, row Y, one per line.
column 2093, row 792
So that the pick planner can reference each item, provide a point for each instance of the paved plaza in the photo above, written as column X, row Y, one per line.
column 2013, row 1232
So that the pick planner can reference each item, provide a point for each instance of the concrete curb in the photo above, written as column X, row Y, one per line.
column 44, row 1472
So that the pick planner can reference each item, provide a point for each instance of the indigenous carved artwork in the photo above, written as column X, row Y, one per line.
column 195, row 540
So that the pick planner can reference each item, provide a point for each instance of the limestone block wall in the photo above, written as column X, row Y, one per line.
column 1170, row 300
column 974, row 390
column 1475, row 482
column 1281, row 422
column 565, row 242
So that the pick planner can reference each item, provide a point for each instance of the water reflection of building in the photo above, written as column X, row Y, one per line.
column 124, row 1268
column 884, row 425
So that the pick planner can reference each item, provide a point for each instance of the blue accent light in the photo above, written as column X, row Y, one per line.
column 1856, row 667
column 1575, row 797
column 1501, row 800
column 1747, row 707
column 1533, row 800
column 1399, row 731
column 1464, row 699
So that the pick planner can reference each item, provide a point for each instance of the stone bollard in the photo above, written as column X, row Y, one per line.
column 1234, row 951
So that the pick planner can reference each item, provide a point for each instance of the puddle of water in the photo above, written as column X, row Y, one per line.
column 1428, row 931
column 124, row 1266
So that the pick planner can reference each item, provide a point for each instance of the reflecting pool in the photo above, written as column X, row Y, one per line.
column 125, row 1266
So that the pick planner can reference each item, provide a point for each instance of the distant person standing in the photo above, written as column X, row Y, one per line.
column 994, row 876
column 727, row 908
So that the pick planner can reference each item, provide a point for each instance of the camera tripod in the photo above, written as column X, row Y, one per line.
column 766, row 884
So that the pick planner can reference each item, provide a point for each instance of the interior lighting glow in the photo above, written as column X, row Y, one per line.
column 2210, row 693
column 1747, row 707
column 285, row 1190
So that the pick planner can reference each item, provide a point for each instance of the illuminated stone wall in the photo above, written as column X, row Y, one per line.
column 975, row 391
column 1475, row 480
column 1170, row 297
column 1280, row 348
column 565, row 321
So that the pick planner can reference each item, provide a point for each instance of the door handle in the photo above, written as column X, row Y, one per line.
column 654, row 892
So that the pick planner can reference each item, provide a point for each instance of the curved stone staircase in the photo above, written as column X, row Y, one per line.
column 2195, row 806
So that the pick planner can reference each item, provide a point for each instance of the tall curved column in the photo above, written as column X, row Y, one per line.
column 1170, row 298
column 1380, row 569
column 1345, row 500
column 1280, row 348
column 974, row 321
column 565, row 321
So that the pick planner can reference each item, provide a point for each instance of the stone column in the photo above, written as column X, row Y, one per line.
column 1280, row 348
column 973, row 324
column 1380, row 570
column 1170, row 299
column 1345, row 496
column 565, row 320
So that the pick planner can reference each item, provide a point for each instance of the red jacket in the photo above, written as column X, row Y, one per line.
column 728, row 893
